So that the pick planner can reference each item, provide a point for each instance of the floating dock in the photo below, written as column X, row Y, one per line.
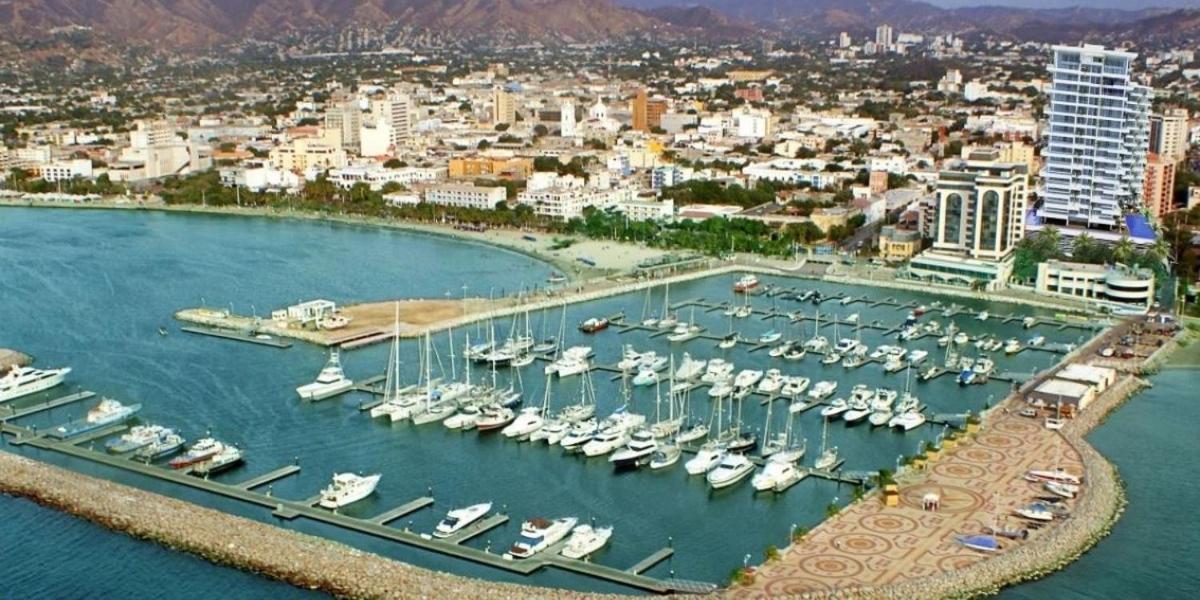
column 271, row 477
column 237, row 336
column 403, row 510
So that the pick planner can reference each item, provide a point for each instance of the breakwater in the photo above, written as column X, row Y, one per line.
column 302, row 560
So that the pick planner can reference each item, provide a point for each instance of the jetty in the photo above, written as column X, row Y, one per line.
column 238, row 336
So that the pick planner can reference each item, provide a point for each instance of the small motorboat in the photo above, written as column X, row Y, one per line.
column 982, row 543
column 585, row 540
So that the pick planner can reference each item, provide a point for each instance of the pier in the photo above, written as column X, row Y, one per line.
column 9, row 413
column 237, row 336
column 271, row 477
column 375, row 527
column 403, row 510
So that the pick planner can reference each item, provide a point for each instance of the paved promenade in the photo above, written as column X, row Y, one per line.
column 870, row 545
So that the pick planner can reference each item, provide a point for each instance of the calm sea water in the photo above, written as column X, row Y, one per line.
column 90, row 289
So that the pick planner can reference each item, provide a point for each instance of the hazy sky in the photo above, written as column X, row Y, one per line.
column 1122, row 4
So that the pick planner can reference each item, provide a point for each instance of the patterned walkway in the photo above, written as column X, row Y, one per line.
column 868, row 544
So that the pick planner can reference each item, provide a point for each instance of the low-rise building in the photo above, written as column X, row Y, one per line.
column 465, row 196
column 1116, row 286
column 1056, row 392
column 489, row 166
column 647, row 209
column 65, row 170
column 898, row 245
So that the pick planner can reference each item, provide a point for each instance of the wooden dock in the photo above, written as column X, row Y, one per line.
column 648, row 563
column 92, row 436
column 11, row 414
column 237, row 336
column 478, row 528
column 266, row 478
column 403, row 510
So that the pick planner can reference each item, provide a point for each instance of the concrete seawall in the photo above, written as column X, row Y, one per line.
column 300, row 559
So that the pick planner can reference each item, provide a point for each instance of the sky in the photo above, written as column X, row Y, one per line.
column 1122, row 4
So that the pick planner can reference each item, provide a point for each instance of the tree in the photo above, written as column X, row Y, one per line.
column 395, row 163
column 501, row 127
column 1123, row 251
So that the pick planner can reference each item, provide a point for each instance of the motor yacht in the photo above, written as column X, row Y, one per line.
column 585, row 540
column 822, row 390
column 794, row 385
column 718, row 370
column 731, row 469
column 346, row 489
column 465, row 419
column 459, row 518
column 530, row 420
column 539, row 534
column 771, row 382
column 638, row 450
column 580, row 434
column 689, row 368
column 494, row 417
column 665, row 456
column 22, row 381
column 773, row 472
column 706, row 459
column 908, row 420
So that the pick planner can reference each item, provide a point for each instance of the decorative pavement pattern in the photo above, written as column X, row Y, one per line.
column 980, row 483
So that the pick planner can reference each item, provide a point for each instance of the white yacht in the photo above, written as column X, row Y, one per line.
column 459, row 518
column 579, row 434
column 835, row 408
column 859, row 408
column 732, row 469
column 718, row 369
column 817, row 344
column 637, row 451
column 465, row 419
column 348, row 488
column 23, row 381
column 771, row 382
column 908, row 420
column 539, row 534
column 607, row 440
column 586, row 540
column 706, row 459
column 689, row 368
column 794, row 385
column 916, row 357
column 823, row 390
column 645, row 377
column 1012, row 346
column 772, row 473
column 684, row 332
column 747, row 378
column 529, row 421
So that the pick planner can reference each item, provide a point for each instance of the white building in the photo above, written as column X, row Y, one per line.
column 567, row 119
column 66, row 170
column 1095, row 156
column 565, row 203
column 1116, row 286
column 465, row 196
column 647, row 209
column 375, row 176
column 883, row 38
column 752, row 123
column 261, row 178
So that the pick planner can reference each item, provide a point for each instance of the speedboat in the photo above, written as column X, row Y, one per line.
column 916, row 357
column 908, row 420
column 494, row 417
column 893, row 364
column 1029, row 322
column 1034, row 512
column 881, row 352
column 822, row 390
column 772, row 473
column 199, row 452
column 771, row 382
column 691, row 434
column 780, row 350
column 732, row 469
column 529, row 421
column 858, row 410
column 586, row 540
column 464, row 419
column 728, row 341
column 961, row 338
column 347, row 488
column 579, row 434
column 138, row 437
column 794, row 386
column 706, row 459
column 747, row 378
column 685, row 332
column 721, row 388
column 770, row 337
column 23, row 381
column 718, row 369
column 552, row 431
column 835, row 408
column 607, row 440
column 644, row 378
column 853, row 361
column 848, row 300
column 167, row 443
column 983, row 315
column 689, row 368
column 639, row 449
column 982, row 543
column 966, row 377
column 1066, row 490
column 928, row 373
column 629, row 358
column 665, row 456
column 651, row 361
column 459, row 518
column 594, row 325
column 816, row 344
column 831, row 359
column 1056, row 475
column 745, row 284
column 539, row 534
column 796, row 353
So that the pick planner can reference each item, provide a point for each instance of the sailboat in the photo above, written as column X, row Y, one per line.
column 532, row 418
column 668, row 320
column 829, row 456
column 437, row 406
column 391, row 386
column 648, row 318
column 668, row 427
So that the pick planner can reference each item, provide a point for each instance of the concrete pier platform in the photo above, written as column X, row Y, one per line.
column 403, row 510
column 237, row 336
column 9, row 413
column 266, row 478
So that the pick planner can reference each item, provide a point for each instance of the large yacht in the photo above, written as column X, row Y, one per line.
column 732, row 469
column 107, row 412
column 23, row 381
column 539, row 534
column 198, row 453
column 348, row 488
column 459, row 518
column 639, row 449
column 138, row 437
column 330, row 382
column 586, row 540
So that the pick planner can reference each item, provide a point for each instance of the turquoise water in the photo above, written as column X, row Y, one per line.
column 90, row 289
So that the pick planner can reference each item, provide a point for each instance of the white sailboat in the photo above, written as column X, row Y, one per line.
column 829, row 456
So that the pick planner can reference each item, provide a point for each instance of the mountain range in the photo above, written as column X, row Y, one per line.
column 197, row 23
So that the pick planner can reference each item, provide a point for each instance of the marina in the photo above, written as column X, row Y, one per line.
column 262, row 415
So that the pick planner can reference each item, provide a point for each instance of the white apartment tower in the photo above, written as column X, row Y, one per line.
column 344, row 118
column 1098, row 135
column 394, row 110
column 883, row 38
column 981, row 207
column 567, row 119
column 1169, row 134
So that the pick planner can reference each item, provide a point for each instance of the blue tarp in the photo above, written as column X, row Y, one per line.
column 1139, row 227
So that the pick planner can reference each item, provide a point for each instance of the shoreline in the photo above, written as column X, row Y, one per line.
column 504, row 239
column 1097, row 468
column 300, row 559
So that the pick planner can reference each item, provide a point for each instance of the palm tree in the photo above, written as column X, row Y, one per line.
column 1123, row 251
